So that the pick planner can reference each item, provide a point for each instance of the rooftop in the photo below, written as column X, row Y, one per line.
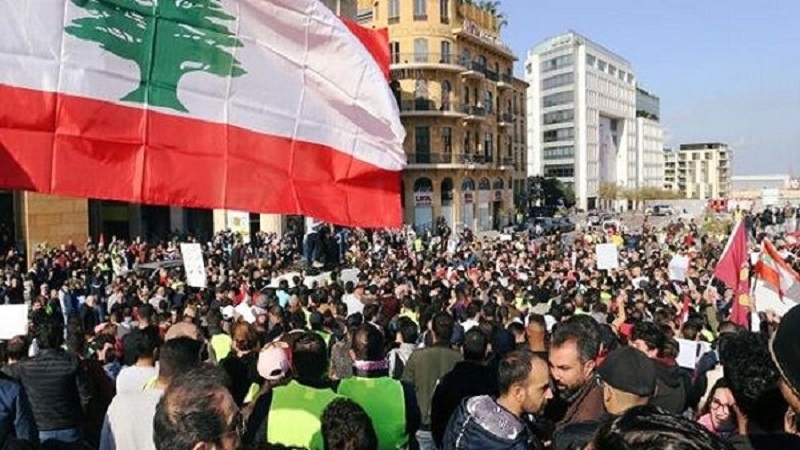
column 570, row 37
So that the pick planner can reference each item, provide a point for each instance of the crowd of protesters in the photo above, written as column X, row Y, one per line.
column 444, row 340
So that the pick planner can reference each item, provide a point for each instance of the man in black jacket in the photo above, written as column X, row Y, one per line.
column 673, row 387
column 468, row 378
column 56, row 387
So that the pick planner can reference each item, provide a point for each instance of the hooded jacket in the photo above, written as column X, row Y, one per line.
column 481, row 423
column 672, row 386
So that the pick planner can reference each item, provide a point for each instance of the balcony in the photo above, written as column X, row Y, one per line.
column 424, row 158
column 505, row 120
column 428, row 108
column 473, row 112
column 492, row 75
column 447, row 160
column 430, row 61
column 472, row 69
column 507, row 162
column 506, row 82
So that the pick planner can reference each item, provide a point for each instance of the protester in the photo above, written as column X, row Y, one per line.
column 197, row 411
column 468, row 378
column 573, row 352
column 346, row 426
column 426, row 366
column 177, row 356
column 391, row 404
column 56, row 386
column 648, row 427
column 628, row 379
column 17, row 424
column 484, row 422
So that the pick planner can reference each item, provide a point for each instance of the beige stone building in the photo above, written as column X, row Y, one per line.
column 463, row 110
column 700, row 170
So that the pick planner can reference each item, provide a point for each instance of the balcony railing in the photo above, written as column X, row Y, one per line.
column 492, row 75
column 430, row 158
column 506, row 78
column 472, row 110
column 505, row 118
column 507, row 161
column 424, row 58
column 423, row 105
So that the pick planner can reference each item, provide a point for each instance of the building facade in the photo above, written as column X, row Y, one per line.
column 700, row 170
column 649, row 141
column 463, row 110
column 581, row 115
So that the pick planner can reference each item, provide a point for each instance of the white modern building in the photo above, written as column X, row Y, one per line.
column 582, row 116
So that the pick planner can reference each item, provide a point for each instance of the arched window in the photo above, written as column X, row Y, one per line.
column 498, row 184
column 421, row 95
column 423, row 185
column 481, row 60
column 467, row 185
column 484, row 184
column 447, row 190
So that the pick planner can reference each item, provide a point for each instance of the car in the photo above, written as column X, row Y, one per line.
column 564, row 224
column 660, row 210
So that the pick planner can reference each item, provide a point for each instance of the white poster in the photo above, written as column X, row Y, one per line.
column 13, row 321
column 690, row 352
column 193, row 265
column 239, row 222
column 678, row 267
column 607, row 256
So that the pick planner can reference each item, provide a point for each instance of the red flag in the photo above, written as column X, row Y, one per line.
column 377, row 43
column 267, row 106
column 733, row 269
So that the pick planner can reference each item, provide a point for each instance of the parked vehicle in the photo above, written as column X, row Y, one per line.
column 660, row 210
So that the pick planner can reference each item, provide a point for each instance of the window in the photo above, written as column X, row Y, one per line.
column 556, row 63
column 621, row 75
column 488, row 144
column 420, row 9
column 487, row 101
column 559, row 170
column 612, row 70
column 590, row 60
column 557, row 99
column 561, row 152
column 446, row 89
column 466, row 96
column 601, row 65
column 444, row 11
column 560, row 134
column 465, row 58
column 420, row 50
column 565, row 115
column 481, row 61
column 467, row 146
column 445, row 52
column 447, row 139
column 422, row 140
column 394, row 11
column 421, row 102
column 394, row 52
column 557, row 81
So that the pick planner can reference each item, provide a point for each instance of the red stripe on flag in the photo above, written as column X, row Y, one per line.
column 376, row 42
column 68, row 145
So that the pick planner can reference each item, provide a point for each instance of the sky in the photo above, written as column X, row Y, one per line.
column 725, row 70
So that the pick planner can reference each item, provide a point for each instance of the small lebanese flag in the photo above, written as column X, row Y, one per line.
column 777, row 285
column 255, row 105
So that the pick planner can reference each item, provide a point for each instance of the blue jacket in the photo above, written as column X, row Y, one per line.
column 480, row 423
column 16, row 417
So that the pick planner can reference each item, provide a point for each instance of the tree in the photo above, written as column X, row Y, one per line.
column 166, row 39
column 608, row 192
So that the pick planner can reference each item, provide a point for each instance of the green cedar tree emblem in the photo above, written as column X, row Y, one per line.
column 165, row 38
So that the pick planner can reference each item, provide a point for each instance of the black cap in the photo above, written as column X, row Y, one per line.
column 629, row 370
column 784, row 348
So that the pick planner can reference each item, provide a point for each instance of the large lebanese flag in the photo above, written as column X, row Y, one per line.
column 256, row 105
column 777, row 285
column 733, row 268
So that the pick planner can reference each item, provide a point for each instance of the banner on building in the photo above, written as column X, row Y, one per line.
column 423, row 198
